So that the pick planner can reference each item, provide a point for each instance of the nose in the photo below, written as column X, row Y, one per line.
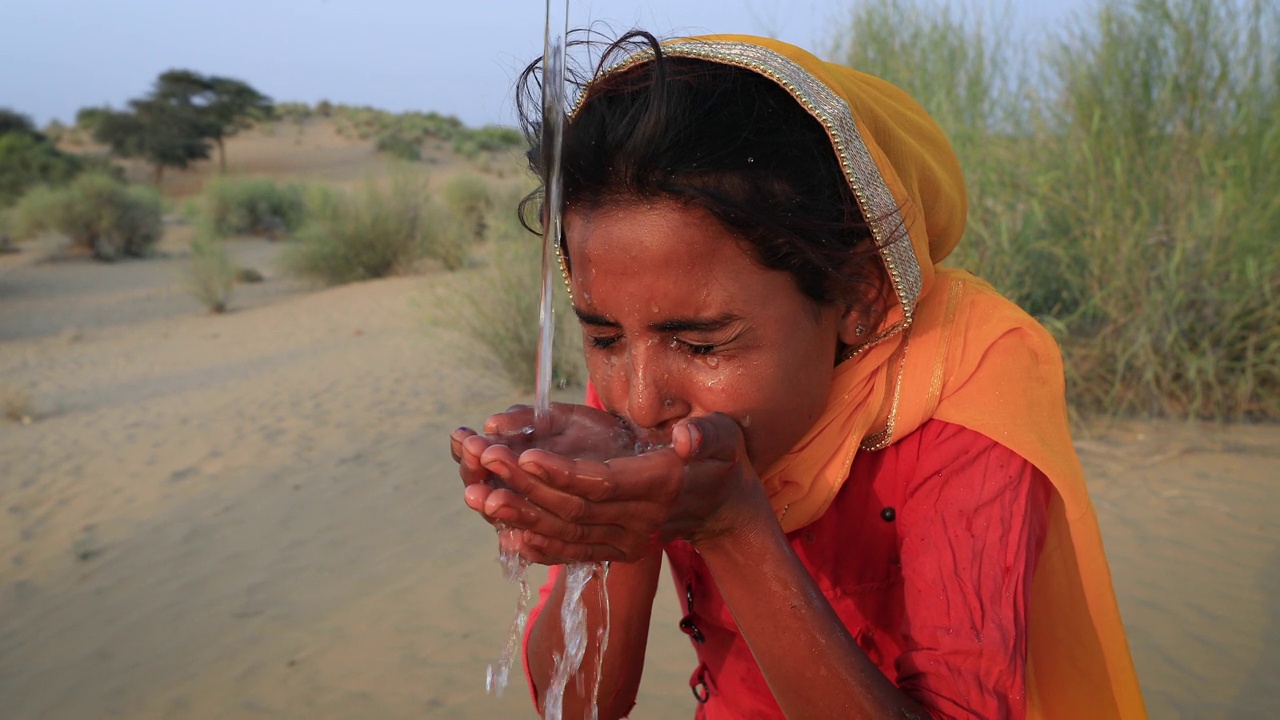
column 653, row 400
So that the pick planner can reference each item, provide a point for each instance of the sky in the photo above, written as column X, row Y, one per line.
column 458, row 57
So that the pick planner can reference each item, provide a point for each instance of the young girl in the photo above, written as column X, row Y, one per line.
column 863, row 479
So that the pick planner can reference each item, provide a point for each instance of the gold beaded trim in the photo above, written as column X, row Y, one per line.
column 564, row 269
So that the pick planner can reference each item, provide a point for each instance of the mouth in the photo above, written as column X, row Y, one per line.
column 649, row 439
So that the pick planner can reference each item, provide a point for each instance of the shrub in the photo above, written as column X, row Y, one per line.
column 296, row 111
column 87, row 118
column 468, row 198
column 490, row 138
column 16, row 404
column 383, row 229
column 400, row 146
column 97, row 212
column 28, row 159
column 211, row 274
column 256, row 206
column 1127, row 199
column 499, row 308
column 249, row 276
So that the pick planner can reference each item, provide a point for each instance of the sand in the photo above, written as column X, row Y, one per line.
column 255, row 515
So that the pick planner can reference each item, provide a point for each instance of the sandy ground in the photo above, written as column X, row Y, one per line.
column 255, row 515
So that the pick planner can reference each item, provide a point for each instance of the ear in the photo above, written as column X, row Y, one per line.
column 854, row 327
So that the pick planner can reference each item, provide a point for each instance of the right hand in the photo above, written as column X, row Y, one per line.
column 574, row 431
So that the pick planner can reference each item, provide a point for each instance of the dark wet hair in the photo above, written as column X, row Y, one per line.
column 723, row 138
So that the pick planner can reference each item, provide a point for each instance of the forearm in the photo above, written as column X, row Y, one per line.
column 631, row 588
column 813, row 666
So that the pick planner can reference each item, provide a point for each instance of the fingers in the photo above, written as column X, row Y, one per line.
column 707, row 437
column 468, row 451
column 504, row 464
column 515, row 423
column 652, row 477
column 455, row 441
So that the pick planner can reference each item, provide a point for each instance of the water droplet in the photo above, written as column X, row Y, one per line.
column 654, row 307
column 751, row 159
column 713, row 362
column 746, row 421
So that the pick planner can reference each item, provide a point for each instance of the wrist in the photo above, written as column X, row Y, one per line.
column 744, row 525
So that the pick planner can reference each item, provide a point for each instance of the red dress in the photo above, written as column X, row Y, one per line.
column 926, row 555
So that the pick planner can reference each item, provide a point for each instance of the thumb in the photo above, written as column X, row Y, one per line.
column 707, row 437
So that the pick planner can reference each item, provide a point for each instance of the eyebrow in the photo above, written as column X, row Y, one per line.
column 711, row 324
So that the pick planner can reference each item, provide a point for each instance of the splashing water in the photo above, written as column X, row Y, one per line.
column 513, row 569
column 553, row 122
column 573, row 623
column 573, row 612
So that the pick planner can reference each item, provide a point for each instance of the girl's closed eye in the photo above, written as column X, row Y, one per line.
column 697, row 348
column 603, row 343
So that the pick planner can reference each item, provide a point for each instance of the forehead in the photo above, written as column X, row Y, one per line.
column 660, row 247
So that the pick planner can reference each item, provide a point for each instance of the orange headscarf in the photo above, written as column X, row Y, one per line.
column 950, row 348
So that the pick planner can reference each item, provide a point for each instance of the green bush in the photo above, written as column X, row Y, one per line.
column 499, row 308
column 211, row 274
column 383, row 229
column 97, row 212
column 468, row 198
column 490, row 138
column 400, row 146
column 252, row 206
column 28, row 159
column 295, row 111
column 1128, row 199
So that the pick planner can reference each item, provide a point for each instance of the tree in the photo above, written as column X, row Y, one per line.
column 233, row 106
column 13, row 122
column 227, row 105
column 170, row 126
column 162, row 132
column 28, row 158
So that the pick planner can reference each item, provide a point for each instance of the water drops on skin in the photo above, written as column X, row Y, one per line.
column 746, row 421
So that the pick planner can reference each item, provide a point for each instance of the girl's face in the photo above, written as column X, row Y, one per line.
column 678, row 320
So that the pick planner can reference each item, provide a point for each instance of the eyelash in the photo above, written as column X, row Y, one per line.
column 603, row 343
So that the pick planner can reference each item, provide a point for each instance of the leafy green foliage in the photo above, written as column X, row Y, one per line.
column 252, row 206
column 28, row 158
column 490, row 138
column 97, row 212
column 1127, row 199
column 171, row 126
column 211, row 275
column 382, row 230
column 163, row 133
column 498, row 306
column 469, row 199
column 399, row 146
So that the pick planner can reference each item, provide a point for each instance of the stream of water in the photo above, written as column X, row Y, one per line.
column 573, row 612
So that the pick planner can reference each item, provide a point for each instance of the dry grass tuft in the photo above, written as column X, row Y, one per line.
column 17, row 405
